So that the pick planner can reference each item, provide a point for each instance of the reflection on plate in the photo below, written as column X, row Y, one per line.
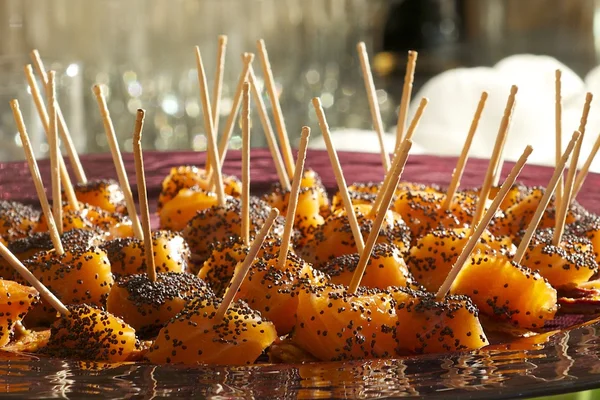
column 568, row 361
column 562, row 362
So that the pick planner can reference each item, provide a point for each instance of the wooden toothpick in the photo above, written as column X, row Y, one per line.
column 558, row 130
column 541, row 208
column 481, row 227
column 111, row 137
column 414, row 123
column 62, row 125
column 496, row 157
column 284, row 180
column 143, row 194
column 284, row 140
column 293, row 200
column 242, row 271
column 339, row 175
column 583, row 172
column 217, row 89
column 43, row 114
column 409, row 78
column 33, row 281
column 562, row 212
column 365, row 255
column 218, row 85
column 373, row 103
column 246, row 164
column 37, row 178
column 57, row 210
column 464, row 154
column 208, row 127
column 386, row 181
column 235, row 107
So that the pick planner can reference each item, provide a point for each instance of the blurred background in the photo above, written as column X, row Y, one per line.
column 142, row 52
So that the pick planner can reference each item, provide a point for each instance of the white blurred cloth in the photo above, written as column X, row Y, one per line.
column 453, row 97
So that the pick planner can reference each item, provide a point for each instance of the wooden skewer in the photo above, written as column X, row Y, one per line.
column 37, row 178
column 284, row 140
column 57, row 210
column 495, row 158
column 235, row 107
column 563, row 210
column 339, row 176
column 62, row 125
column 293, row 200
column 284, row 180
column 20, row 331
column 373, row 103
column 365, row 255
column 414, row 123
column 409, row 78
column 218, row 85
column 33, row 281
column 409, row 134
column 500, row 163
column 464, row 154
column 585, row 169
column 206, row 116
column 208, row 127
column 242, row 271
column 481, row 227
column 217, row 89
column 118, row 161
column 41, row 109
column 558, row 130
column 143, row 195
column 541, row 208
column 246, row 164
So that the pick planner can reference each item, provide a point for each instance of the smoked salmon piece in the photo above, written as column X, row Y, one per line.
column 385, row 267
column 127, row 256
column 186, row 177
column 92, row 218
column 588, row 226
column 27, row 247
column 366, row 192
column 79, row 276
column 433, row 255
column 506, row 291
column 569, row 264
column 148, row 305
column 518, row 216
column 428, row 325
column 176, row 213
column 310, row 179
column 89, row 333
column 195, row 337
column 422, row 210
column 308, row 208
column 218, row 269
column 15, row 301
column 220, row 223
column 516, row 193
column 334, row 325
column 274, row 292
column 103, row 193
column 17, row 220
column 334, row 238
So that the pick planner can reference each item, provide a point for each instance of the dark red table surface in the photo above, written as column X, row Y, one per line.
column 16, row 183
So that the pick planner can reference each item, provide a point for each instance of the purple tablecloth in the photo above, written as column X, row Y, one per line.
column 16, row 183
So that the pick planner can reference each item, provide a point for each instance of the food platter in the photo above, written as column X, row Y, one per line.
column 568, row 361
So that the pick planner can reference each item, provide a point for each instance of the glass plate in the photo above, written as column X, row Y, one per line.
column 568, row 361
